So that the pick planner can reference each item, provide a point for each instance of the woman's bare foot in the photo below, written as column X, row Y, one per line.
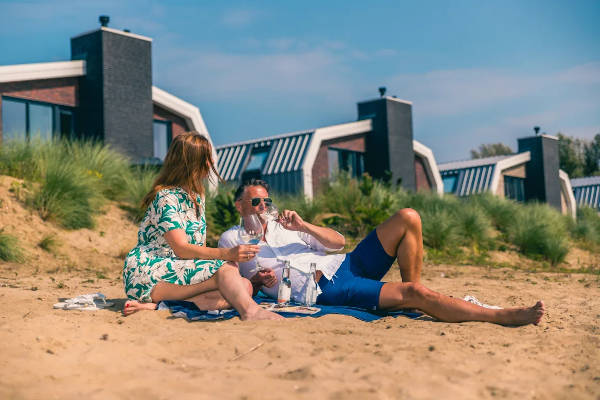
column 524, row 316
column 133, row 306
column 260, row 314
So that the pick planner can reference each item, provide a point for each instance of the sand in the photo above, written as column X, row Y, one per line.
column 49, row 353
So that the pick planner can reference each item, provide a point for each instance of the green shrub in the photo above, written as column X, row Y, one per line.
column 439, row 229
column 221, row 213
column 19, row 159
column 10, row 250
column 49, row 243
column 587, row 227
column 502, row 212
column 67, row 195
column 109, row 168
column 138, row 182
column 473, row 226
column 540, row 231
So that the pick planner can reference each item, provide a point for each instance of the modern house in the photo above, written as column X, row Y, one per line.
column 104, row 92
column 379, row 143
column 530, row 174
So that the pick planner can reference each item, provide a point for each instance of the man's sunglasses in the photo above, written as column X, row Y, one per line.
column 256, row 201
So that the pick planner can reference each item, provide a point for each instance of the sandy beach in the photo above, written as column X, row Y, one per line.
column 49, row 353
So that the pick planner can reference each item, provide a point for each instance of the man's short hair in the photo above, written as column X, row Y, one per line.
column 250, row 182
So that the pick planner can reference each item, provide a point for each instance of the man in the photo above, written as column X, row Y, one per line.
column 353, row 279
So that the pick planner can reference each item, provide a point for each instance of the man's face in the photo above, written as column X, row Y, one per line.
column 251, row 194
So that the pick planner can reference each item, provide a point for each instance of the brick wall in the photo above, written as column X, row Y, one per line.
column 61, row 91
column 178, row 124
column 421, row 178
column 320, row 170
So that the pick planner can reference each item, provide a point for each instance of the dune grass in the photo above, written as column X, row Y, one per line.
column 10, row 249
column 69, row 182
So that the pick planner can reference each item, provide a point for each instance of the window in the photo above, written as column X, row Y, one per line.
column 256, row 163
column 28, row 119
column 345, row 160
column 514, row 188
column 450, row 182
column 162, row 138
column 14, row 119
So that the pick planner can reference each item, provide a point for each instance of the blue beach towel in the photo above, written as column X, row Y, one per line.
column 189, row 311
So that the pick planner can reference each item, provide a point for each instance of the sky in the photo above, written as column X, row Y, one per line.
column 475, row 71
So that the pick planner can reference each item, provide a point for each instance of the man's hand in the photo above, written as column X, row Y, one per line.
column 292, row 221
column 265, row 277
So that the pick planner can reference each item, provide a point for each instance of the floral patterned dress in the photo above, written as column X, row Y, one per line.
column 153, row 260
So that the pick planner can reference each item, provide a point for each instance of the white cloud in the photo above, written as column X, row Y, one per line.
column 240, row 17
column 226, row 76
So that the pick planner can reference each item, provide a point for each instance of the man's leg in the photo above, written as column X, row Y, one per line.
column 401, row 236
column 398, row 295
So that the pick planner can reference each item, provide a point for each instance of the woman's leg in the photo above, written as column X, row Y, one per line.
column 233, row 290
column 397, row 295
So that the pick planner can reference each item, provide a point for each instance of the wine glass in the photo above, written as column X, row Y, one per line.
column 271, row 212
column 251, row 230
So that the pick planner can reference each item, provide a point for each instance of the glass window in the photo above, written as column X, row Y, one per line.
column 346, row 160
column 258, row 159
column 14, row 119
column 40, row 121
column 334, row 163
column 450, row 182
column 162, row 138
column 514, row 188
column 27, row 119
column 66, row 124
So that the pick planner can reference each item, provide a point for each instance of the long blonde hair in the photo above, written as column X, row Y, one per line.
column 188, row 161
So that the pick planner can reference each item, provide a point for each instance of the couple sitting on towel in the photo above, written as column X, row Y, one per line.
column 172, row 262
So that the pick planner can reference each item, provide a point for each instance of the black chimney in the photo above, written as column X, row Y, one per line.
column 104, row 19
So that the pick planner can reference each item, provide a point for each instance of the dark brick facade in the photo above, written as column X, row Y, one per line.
column 320, row 170
column 390, row 145
column 116, row 92
column 61, row 91
column 542, row 182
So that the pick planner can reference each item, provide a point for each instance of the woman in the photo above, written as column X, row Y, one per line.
column 171, row 261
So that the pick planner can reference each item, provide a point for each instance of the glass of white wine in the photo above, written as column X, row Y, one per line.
column 251, row 232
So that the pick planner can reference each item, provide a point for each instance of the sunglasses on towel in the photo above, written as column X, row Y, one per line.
column 256, row 201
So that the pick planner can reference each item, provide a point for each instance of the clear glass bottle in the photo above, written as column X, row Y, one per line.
column 310, row 295
column 285, row 286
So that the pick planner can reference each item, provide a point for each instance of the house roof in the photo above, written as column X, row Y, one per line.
column 587, row 191
column 286, row 153
column 481, row 174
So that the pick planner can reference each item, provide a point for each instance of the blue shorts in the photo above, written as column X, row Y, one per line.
column 357, row 281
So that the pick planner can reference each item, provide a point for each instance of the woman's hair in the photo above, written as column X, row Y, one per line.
column 188, row 161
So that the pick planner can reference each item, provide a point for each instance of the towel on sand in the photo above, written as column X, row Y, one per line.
column 189, row 311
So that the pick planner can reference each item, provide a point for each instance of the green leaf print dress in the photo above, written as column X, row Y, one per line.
column 153, row 260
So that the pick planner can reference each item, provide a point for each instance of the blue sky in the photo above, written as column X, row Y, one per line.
column 476, row 71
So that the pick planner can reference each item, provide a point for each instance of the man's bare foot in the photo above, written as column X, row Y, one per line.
column 260, row 314
column 526, row 315
column 133, row 306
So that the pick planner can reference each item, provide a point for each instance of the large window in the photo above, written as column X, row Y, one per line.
column 514, row 188
column 162, row 138
column 345, row 160
column 256, row 163
column 28, row 119
column 450, row 182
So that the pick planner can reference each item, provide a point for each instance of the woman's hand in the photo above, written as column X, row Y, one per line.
column 242, row 253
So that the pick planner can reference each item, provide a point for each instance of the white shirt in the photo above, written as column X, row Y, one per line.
column 299, row 248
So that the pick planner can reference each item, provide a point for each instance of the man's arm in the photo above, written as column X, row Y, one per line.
column 326, row 236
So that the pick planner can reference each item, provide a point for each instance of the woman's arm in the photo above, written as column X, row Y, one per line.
column 177, row 239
